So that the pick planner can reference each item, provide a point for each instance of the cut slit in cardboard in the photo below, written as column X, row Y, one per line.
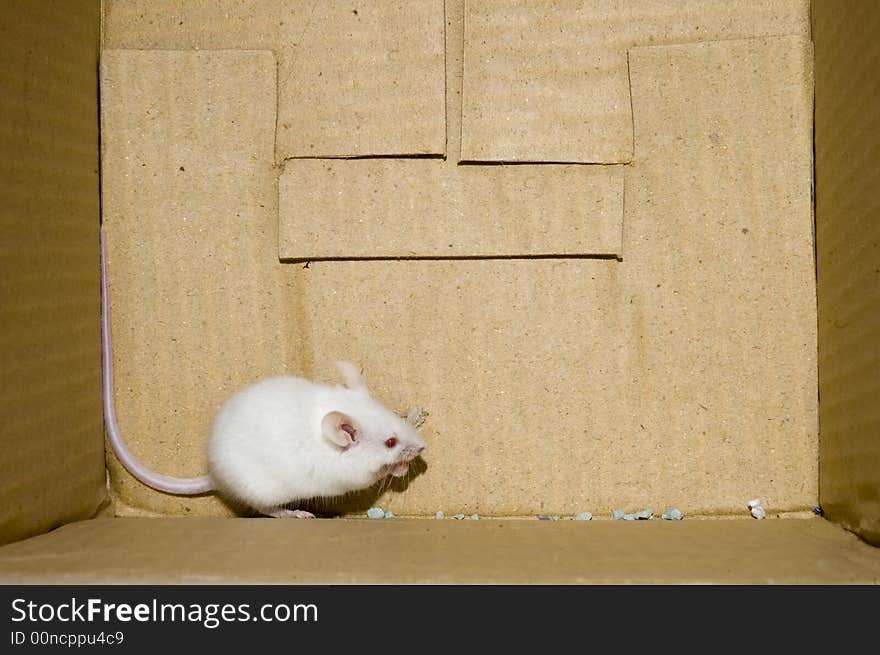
column 689, row 366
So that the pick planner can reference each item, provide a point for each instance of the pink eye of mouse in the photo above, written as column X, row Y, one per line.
column 390, row 442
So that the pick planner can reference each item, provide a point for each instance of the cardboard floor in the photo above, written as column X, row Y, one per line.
column 409, row 551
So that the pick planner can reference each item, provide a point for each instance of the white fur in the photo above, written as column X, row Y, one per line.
column 267, row 449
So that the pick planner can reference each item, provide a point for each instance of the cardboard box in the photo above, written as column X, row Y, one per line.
column 581, row 234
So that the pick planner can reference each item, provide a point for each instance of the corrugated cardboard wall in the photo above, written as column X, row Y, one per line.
column 52, row 455
column 683, row 374
column 848, row 240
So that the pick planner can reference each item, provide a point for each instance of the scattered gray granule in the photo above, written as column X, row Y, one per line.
column 583, row 516
column 458, row 517
column 389, row 515
column 818, row 511
column 475, row 517
column 617, row 514
column 376, row 513
column 756, row 510
column 629, row 517
column 543, row 517
column 440, row 515
column 672, row 514
column 645, row 514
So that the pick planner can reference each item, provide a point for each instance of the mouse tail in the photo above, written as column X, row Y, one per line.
column 166, row 483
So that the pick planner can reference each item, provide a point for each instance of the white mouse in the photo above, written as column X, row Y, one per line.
column 283, row 439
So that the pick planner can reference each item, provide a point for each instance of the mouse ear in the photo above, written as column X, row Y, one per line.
column 352, row 376
column 339, row 429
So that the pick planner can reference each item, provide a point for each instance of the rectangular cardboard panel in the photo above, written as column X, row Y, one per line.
column 222, row 551
column 848, row 240
column 421, row 207
column 363, row 81
column 719, row 228
column 534, row 91
column 191, row 218
column 52, row 456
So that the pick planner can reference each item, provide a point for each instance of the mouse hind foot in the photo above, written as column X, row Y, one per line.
column 284, row 513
